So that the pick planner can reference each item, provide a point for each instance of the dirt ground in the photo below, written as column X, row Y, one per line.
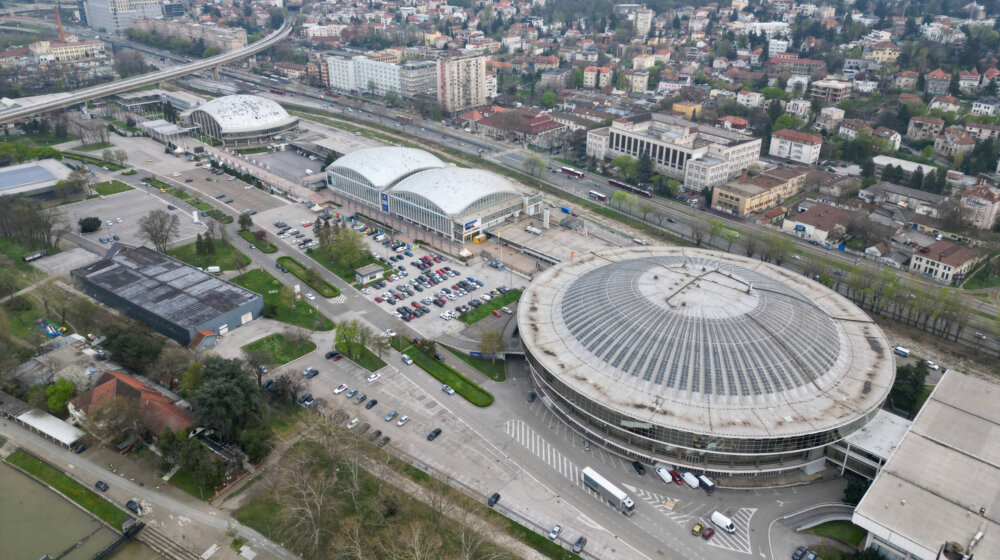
column 948, row 354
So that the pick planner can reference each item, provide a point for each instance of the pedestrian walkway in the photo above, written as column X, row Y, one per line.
column 534, row 442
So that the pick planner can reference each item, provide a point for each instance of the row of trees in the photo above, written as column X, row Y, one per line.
column 24, row 220
column 354, row 336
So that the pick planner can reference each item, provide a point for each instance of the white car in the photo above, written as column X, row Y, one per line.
column 352, row 423
column 446, row 317
column 390, row 332
column 485, row 297
column 448, row 390
column 119, row 220
column 310, row 297
column 407, row 360
column 933, row 366
column 366, row 291
column 506, row 310
column 373, row 377
column 403, row 420
column 340, row 389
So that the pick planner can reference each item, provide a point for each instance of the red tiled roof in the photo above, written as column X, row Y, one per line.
column 158, row 410
column 796, row 136
column 951, row 254
column 938, row 74
column 823, row 217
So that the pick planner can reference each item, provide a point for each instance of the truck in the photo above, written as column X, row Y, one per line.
column 608, row 491
column 566, row 210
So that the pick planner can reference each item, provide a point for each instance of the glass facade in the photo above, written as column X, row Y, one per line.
column 639, row 438
column 210, row 127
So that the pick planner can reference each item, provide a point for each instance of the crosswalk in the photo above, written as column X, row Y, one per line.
column 677, row 510
column 339, row 299
column 534, row 442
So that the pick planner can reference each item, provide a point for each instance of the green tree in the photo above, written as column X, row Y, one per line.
column 245, row 222
column 626, row 166
column 868, row 168
column 953, row 85
column 229, row 399
column 917, row 179
column 908, row 386
column 131, row 347
column 533, row 165
column 89, row 224
column 192, row 377
column 785, row 121
column 644, row 168
column 491, row 343
column 58, row 393
column 855, row 490
column 942, row 182
column 550, row 100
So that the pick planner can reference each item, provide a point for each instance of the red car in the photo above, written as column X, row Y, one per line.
column 415, row 304
column 426, row 258
column 496, row 313
column 378, row 299
column 707, row 533
column 307, row 224
column 677, row 477
column 437, row 259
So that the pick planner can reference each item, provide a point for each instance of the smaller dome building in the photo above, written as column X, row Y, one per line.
column 242, row 120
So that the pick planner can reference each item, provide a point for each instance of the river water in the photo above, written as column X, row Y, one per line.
column 34, row 521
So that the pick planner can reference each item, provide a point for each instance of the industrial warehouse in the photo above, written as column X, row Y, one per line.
column 703, row 359
column 181, row 302
column 414, row 191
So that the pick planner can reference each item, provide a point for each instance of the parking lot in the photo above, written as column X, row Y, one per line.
column 123, row 211
column 235, row 194
column 289, row 164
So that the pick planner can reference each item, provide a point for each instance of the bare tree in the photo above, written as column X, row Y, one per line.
column 159, row 227
column 533, row 165
column 492, row 343
column 171, row 363
column 751, row 242
column 257, row 359
column 307, row 488
column 698, row 231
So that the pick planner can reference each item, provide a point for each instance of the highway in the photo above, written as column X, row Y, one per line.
column 119, row 86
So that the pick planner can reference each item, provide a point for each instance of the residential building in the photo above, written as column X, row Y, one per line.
column 342, row 75
column 830, row 91
column 889, row 137
column 698, row 154
column 817, row 223
column 921, row 202
column 944, row 261
column 114, row 16
column 461, row 83
column 986, row 106
column 689, row 109
column 775, row 66
column 643, row 21
column 885, row 52
column 850, row 128
column 753, row 195
column 158, row 408
column 952, row 142
column 854, row 65
column 636, row 81
column 376, row 77
column 936, row 82
column 557, row 79
column 829, row 118
column 983, row 204
column 68, row 51
column 596, row 77
column 968, row 80
column 796, row 146
column 522, row 125
column 982, row 132
column 418, row 77
column 799, row 107
column 750, row 99
column 736, row 124
column 946, row 103
column 865, row 82
column 905, row 80
column 924, row 128
column 223, row 38
column 915, row 511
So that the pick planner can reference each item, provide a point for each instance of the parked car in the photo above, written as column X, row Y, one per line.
column 133, row 506
column 697, row 529
column 101, row 485
column 352, row 423
column 351, row 393
column 434, row 434
column 554, row 533
column 390, row 416
column 448, row 390
column 707, row 533
column 639, row 468
column 403, row 420
column 799, row 553
column 340, row 389
column 579, row 544
column 492, row 501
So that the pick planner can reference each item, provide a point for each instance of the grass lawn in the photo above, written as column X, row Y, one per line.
column 93, row 161
column 95, row 147
column 925, row 392
column 301, row 315
column 487, row 307
column 368, row 359
column 982, row 279
column 224, row 256
column 40, row 139
column 259, row 514
column 313, row 279
column 495, row 370
column 113, row 186
column 447, row 375
column 184, row 479
column 130, row 172
column 343, row 271
column 23, row 322
column 70, row 488
column 264, row 245
column 279, row 350
column 186, row 196
column 843, row 531
column 538, row 542
column 827, row 552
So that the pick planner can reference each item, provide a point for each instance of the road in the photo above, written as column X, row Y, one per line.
column 81, row 96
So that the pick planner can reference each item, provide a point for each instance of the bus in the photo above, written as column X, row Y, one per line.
column 277, row 91
column 572, row 172
column 599, row 197
column 627, row 187
column 609, row 491
column 404, row 118
column 34, row 256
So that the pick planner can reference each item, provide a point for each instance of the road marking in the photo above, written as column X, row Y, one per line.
column 688, row 513
column 339, row 299
column 531, row 440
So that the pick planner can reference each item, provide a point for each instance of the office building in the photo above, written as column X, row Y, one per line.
column 114, row 16
column 796, row 146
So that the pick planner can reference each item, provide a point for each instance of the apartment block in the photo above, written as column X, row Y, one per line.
column 461, row 83
column 796, row 146
column 224, row 38
column 753, row 195
column 830, row 91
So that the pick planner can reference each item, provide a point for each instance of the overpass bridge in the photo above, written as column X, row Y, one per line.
column 119, row 86
column 27, row 8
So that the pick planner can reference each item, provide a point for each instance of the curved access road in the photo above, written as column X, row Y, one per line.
column 119, row 86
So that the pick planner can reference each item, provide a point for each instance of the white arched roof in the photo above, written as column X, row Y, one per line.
column 384, row 166
column 246, row 113
column 454, row 189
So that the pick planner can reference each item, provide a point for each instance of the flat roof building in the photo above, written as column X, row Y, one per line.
column 937, row 495
column 702, row 359
column 177, row 300
column 32, row 178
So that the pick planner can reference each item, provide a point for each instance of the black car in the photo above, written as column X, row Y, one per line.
column 305, row 397
column 531, row 396
column 332, row 355
column 171, row 207
column 133, row 506
column 639, row 468
column 269, row 385
column 376, row 434
column 383, row 441
column 799, row 553
column 80, row 447
column 493, row 499
column 371, row 403
column 101, row 485
column 433, row 435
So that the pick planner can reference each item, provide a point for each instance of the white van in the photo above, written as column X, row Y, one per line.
column 723, row 522
column 664, row 473
column 901, row 351
column 379, row 237
column 691, row 480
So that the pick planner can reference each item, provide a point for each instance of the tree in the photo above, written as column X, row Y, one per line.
column 698, row 230
column 347, row 247
column 715, row 228
column 129, row 62
column 625, row 165
column 785, row 121
column 89, row 224
column 644, row 168
column 533, row 165
column 379, row 345
column 492, row 343
column 228, row 400
column 908, row 387
column 171, row 364
column 131, row 348
column 245, row 221
column 391, row 98
column 192, row 377
column 58, row 393
column 120, row 416
column 917, row 179
column 550, row 100
column 855, row 490
column 159, row 227
column 623, row 200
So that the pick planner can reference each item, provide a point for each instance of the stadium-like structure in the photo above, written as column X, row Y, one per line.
column 242, row 120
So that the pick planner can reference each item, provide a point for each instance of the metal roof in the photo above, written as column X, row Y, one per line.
column 26, row 177
column 384, row 166
column 242, row 113
column 706, row 341
column 454, row 189
column 168, row 288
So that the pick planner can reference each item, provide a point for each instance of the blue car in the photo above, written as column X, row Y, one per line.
column 408, row 253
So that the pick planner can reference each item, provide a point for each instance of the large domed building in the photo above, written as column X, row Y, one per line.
column 702, row 359
column 242, row 120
